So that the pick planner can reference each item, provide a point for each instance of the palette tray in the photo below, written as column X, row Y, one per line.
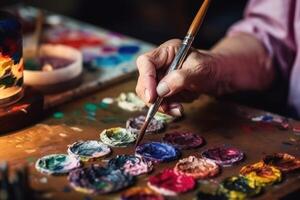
column 108, row 56
column 219, row 124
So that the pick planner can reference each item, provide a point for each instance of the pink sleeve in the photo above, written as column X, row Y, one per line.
column 272, row 23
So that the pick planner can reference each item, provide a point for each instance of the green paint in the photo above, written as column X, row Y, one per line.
column 90, row 107
column 58, row 115
column 32, row 64
column 103, row 105
column 53, row 163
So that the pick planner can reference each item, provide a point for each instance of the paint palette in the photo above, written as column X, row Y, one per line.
column 107, row 56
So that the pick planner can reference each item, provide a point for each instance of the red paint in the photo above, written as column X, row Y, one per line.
column 296, row 128
column 76, row 39
column 19, row 107
column 169, row 180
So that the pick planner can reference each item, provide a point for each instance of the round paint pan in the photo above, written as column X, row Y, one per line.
column 131, row 164
column 224, row 156
column 61, row 70
column 130, row 101
column 283, row 161
column 184, row 139
column 164, row 117
column 157, row 152
column 57, row 164
column 168, row 183
column 261, row 174
column 135, row 124
column 117, row 137
column 99, row 180
column 238, row 187
column 88, row 150
column 198, row 168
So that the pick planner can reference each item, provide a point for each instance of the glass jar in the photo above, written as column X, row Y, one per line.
column 11, row 61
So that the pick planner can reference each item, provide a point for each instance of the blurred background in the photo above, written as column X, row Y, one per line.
column 153, row 21
column 156, row 21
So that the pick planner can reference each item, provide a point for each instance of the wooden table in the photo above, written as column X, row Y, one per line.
column 219, row 123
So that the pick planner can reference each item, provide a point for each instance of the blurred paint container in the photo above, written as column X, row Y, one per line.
column 58, row 68
column 11, row 61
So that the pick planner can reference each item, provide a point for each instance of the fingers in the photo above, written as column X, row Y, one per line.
column 148, row 64
column 197, row 74
column 174, row 109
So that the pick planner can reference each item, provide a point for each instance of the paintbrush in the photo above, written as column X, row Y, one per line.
column 177, row 62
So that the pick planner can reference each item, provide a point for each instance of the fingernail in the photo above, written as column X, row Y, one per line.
column 147, row 95
column 162, row 89
column 175, row 112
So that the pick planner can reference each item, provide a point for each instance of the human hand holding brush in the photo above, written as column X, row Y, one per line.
column 239, row 62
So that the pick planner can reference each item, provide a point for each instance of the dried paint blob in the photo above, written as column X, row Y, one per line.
column 283, row 161
column 117, row 137
column 224, row 156
column 135, row 124
column 130, row 101
column 169, row 183
column 129, row 49
column 131, row 164
column 157, row 152
column 107, row 100
column 56, row 164
column 164, row 117
column 58, row 115
column 198, row 168
column 88, row 150
column 141, row 193
column 261, row 174
column 184, row 139
column 99, row 180
column 90, row 107
column 238, row 187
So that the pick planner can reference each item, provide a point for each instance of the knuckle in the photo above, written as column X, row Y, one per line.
column 178, row 78
column 172, row 43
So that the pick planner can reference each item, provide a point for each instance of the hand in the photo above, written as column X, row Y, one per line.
column 198, row 74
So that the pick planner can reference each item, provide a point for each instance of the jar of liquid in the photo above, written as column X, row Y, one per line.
column 11, row 61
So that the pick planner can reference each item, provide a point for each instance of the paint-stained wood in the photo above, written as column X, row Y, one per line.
column 219, row 123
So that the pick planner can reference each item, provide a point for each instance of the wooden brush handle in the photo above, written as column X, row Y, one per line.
column 199, row 18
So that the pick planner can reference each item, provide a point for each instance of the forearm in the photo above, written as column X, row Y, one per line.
column 243, row 64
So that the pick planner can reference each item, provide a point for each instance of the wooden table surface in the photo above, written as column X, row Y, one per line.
column 219, row 123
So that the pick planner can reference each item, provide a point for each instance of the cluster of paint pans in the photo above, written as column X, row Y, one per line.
column 254, row 178
column 122, row 171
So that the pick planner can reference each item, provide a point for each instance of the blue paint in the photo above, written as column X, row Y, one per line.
column 100, row 180
column 158, row 152
column 128, row 49
column 267, row 118
column 106, row 61
column 125, row 57
column 87, row 148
